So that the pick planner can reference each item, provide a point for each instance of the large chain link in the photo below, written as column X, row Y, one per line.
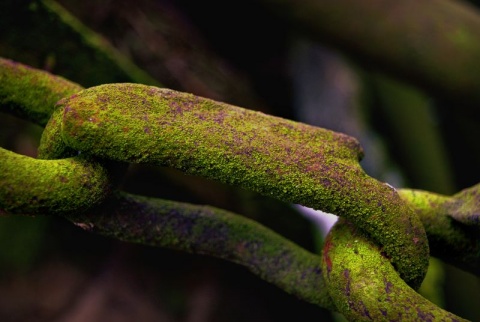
column 378, row 248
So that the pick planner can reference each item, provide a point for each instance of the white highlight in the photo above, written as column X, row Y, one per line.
column 323, row 220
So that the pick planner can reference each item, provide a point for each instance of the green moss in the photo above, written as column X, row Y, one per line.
column 465, row 206
column 31, row 93
column 214, row 232
column 31, row 186
column 290, row 161
column 364, row 285
column 449, row 239
column 51, row 144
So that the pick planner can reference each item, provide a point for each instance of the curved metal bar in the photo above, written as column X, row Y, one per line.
column 32, row 186
column 214, row 232
column 31, row 93
column 287, row 160
column 451, row 240
column 364, row 285
column 465, row 206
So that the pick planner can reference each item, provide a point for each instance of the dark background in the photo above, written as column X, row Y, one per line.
column 241, row 53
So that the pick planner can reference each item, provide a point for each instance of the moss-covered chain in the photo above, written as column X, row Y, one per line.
column 31, row 186
column 365, row 287
column 451, row 223
column 276, row 157
column 206, row 230
column 50, row 88
column 464, row 206
column 72, row 186
column 211, row 231
column 31, row 93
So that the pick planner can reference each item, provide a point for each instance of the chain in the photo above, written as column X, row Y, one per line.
column 372, row 261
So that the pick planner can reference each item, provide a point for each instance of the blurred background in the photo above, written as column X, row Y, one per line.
column 248, row 54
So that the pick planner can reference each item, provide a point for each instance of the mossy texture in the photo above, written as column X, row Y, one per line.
column 364, row 285
column 465, row 206
column 214, row 232
column 287, row 160
column 31, row 186
column 51, row 144
column 451, row 240
column 31, row 93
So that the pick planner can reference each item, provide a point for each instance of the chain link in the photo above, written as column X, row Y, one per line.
column 93, row 133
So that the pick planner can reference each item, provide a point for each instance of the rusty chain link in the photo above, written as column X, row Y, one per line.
column 373, row 260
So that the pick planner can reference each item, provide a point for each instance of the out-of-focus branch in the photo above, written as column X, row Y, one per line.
column 435, row 44
column 53, row 39
column 407, row 113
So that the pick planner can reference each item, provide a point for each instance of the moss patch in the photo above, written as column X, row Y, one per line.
column 287, row 160
column 31, row 186
column 214, row 232
column 364, row 285
column 31, row 93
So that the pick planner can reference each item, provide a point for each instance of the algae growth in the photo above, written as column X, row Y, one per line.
column 276, row 157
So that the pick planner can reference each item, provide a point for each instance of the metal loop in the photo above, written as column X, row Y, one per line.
column 276, row 157
column 91, row 130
